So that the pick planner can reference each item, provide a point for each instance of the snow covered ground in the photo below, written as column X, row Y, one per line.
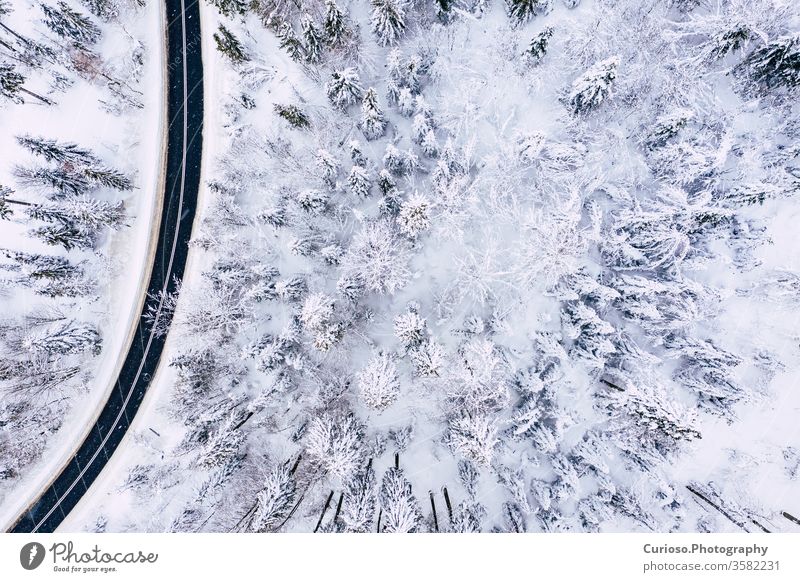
column 130, row 141
column 547, row 267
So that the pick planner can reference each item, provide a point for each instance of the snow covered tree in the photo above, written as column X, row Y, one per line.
column 388, row 20
column 357, row 155
column 522, row 11
column 379, row 382
column 274, row 501
column 222, row 445
column 514, row 518
column 373, row 122
column 69, row 24
column 64, row 338
column 334, row 26
column 538, row 46
column 378, row 257
column 229, row 45
column 230, row 8
column 399, row 163
column 59, row 152
column 290, row 43
column 317, row 311
column 294, row 115
column 64, row 235
column 414, row 217
column 400, row 510
column 474, row 436
column 105, row 10
column 468, row 516
column 344, row 87
column 312, row 39
column 87, row 214
column 429, row 359
column 775, row 65
column 410, row 328
column 593, row 87
column 359, row 502
column 10, row 82
column 334, row 444
column 328, row 166
column 358, row 181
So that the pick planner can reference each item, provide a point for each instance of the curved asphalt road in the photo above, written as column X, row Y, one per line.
column 184, row 148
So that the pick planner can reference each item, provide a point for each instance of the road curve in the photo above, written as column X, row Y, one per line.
column 184, row 151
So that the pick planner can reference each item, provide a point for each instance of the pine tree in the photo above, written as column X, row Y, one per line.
column 229, row 45
column 56, row 151
column 373, row 122
column 65, row 235
column 69, row 24
column 88, row 214
column 274, row 501
column 222, row 445
column 334, row 444
column 474, row 436
column 357, row 153
column 328, row 166
column 290, row 43
column 43, row 266
column 443, row 9
column 344, row 88
column 105, row 10
column 379, row 382
column 388, row 20
column 230, row 8
column 359, row 502
column 335, row 28
column 294, row 115
column 386, row 184
column 775, row 65
column 522, row 11
column 410, row 328
column 10, row 83
column 593, row 87
column 312, row 38
column 414, row 217
column 64, row 339
column 400, row 510
column 64, row 182
column 359, row 182
column 538, row 47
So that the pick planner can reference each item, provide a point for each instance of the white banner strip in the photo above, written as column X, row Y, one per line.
column 446, row 557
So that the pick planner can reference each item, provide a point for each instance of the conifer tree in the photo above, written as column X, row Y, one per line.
column 344, row 88
column 294, row 115
column 521, row 11
column 777, row 64
column 593, row 87
column 373, row 122
column 388, row 20
column 229, row 45
column 290, row 43
column 312, row 39
column 334, row 26
column 69, row 24
column 400, row 510
column 359, row 182
column 538, row 47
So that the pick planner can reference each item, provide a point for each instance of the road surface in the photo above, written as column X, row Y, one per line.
column 184, row 148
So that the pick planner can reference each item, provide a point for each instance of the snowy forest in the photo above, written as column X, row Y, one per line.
column 460, row 266
column 72, row 197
